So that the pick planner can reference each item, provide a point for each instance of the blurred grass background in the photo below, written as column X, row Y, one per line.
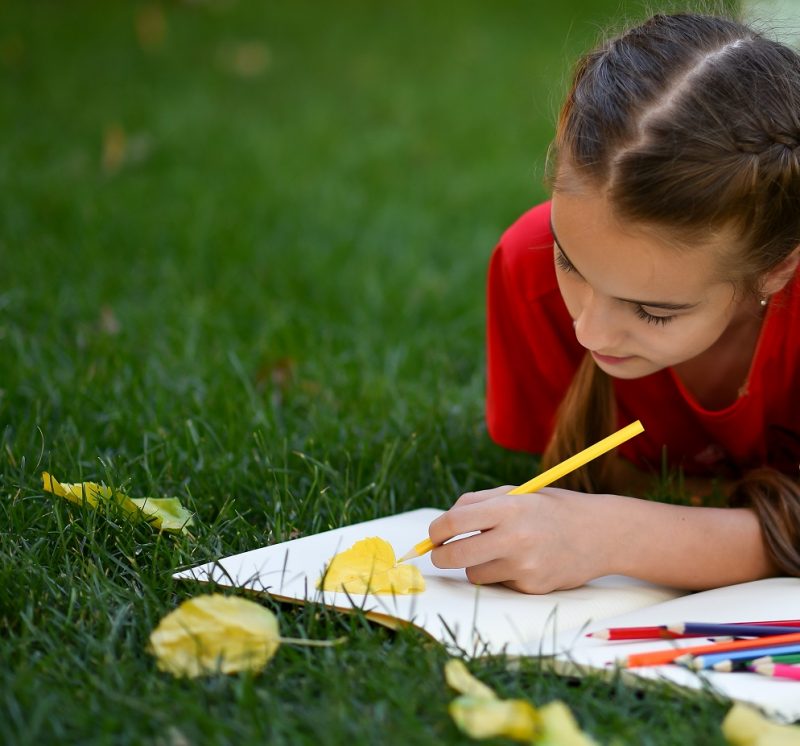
column 242, row 256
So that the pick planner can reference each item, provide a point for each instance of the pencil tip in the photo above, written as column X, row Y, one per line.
column 601, row 634
column 410, row 554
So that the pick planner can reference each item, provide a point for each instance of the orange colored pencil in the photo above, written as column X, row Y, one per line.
column 660, row 657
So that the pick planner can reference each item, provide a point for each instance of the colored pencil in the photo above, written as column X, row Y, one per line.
column 743, row 665
column 551, row 475
column 668, row 631
column 660, row 657
column 709, row 660
column 738, row 630
column 780, row 670
column 787, row 658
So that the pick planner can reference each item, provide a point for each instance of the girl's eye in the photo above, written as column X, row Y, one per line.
column 563, row 263
column 650, row 319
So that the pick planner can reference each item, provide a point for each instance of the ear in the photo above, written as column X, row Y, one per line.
column 778, row 276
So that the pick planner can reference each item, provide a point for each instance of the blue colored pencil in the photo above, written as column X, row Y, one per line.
column 708, row 629
column 710, row 659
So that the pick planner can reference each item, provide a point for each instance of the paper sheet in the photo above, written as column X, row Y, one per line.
column 472, row 619
column 484, row 620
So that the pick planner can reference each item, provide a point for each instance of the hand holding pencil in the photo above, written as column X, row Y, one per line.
column 534, row 543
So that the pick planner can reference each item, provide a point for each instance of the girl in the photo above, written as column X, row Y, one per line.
column 660, row 283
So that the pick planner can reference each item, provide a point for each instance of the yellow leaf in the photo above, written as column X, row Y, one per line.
column 480, row 717
column 369, row 566
column 744, row 726
column 79, row 492
column 459, row 678
column 480, row 714
column 165, row 513
column 559, row 727
column 215, row 633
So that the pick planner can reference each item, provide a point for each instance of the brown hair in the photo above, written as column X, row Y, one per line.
column 688, row 123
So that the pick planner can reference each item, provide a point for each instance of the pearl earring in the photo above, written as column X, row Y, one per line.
column 763, row 301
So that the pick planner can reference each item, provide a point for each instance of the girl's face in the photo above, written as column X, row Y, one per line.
column 638, row 304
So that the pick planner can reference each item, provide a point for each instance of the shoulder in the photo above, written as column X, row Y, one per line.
column 530, row 231
column 524, row 255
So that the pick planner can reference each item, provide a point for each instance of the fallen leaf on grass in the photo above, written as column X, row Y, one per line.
column 559, row 727
column 744, row 726
column 370, row 566
column 479, row 713
column 164, row 513
column 487, row 718
column 458, row 677
column 216, row 633
column 151, row 27
column 245, row 59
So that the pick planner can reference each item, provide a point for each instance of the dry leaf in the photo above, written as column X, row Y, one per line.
column 745, row 726
column 115, row 144
column 165, row 513
column 370, row 566
column 480, row 717
column 109, row 323
column 215, row 633
column 246, row 59
column 151, row 27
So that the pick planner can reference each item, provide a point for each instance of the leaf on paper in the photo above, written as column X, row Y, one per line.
column 163, row 513
column 214, row 633
column 370, row 566
column 744, row 726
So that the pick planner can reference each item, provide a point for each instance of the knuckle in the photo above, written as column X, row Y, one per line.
column 474, row 575
column 440, row 530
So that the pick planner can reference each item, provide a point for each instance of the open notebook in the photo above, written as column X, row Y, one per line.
column 491, row 619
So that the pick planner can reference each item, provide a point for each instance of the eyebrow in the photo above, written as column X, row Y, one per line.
column 648, row 303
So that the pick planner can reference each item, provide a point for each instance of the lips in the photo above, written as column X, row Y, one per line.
column 610, row 359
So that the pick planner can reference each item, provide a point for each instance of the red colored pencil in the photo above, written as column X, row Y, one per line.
column 662, row 632
column 781, row 670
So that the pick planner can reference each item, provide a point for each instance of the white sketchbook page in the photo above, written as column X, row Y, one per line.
column 774, row 598
column 476, row 620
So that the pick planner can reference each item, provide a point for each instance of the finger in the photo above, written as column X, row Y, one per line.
column 495, row 571
column 470, row 498
column 463, row 519
column 472, row 550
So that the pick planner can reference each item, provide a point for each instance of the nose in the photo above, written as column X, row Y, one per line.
column 597, row 325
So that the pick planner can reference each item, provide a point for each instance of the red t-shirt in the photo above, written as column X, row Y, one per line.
column 533, row 355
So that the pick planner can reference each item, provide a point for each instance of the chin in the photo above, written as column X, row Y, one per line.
column 635, row 368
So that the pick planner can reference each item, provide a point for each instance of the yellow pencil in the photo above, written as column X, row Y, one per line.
column 550, row 476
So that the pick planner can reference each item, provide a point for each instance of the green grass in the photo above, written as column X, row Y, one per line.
column 268, row 303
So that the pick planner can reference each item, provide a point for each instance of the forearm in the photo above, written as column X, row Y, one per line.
column 683, row 547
